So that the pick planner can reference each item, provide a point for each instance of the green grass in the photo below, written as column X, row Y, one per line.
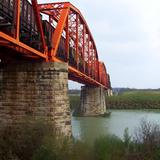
column 109, row 147
column 127, row 100
column 134, row 100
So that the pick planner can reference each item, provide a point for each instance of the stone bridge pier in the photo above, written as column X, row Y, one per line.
column 38, row 90
column 92, row 101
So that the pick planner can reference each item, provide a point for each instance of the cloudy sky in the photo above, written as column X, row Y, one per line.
column 127, row 35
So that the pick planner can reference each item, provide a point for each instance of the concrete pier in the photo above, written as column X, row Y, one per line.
column 38, row 90
column 92, row 101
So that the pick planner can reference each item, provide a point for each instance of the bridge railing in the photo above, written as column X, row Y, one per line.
column 28, row 32
column 7, row 16
column 19, row 34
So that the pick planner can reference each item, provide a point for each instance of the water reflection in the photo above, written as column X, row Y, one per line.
column 89, row 128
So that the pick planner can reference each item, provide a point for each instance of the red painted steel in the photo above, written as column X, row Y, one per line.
column 64, row 37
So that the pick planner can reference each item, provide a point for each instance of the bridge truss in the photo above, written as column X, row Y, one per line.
column 63, row 37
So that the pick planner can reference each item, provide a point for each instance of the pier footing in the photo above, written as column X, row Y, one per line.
column 38, row 90
column 92, row 101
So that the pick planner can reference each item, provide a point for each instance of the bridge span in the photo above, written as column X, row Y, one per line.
column 41, row 47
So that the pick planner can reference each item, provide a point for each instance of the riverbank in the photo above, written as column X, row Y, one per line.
column 43, row 144
column 127, row 100
column 134, row 100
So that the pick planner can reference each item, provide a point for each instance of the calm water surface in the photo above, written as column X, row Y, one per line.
column 89, row 128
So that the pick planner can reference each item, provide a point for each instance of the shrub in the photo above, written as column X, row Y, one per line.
column 109, row 148
column 22, row 140
column 53, row 148
column 38, row 141
column 147, row 139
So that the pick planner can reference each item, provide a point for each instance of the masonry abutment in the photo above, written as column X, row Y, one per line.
column 92, row 101
column 38, row 90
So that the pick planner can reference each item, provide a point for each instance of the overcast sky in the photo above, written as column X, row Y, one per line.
column 127, row 35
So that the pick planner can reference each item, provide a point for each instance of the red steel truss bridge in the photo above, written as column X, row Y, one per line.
column 63, row 36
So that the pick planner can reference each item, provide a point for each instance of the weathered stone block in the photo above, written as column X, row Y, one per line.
column 35, row 89
column 92, row 102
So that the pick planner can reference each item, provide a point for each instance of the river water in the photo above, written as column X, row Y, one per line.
column 90, row 128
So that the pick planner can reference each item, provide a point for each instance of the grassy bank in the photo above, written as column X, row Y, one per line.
column 37, row 142
column 134, row 100
column 127, row 100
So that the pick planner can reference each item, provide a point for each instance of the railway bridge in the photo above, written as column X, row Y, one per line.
column 41, row 47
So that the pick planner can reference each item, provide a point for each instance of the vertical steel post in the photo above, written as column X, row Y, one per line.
column 39, row 23
column 97, row 70
column 88, row 55
column 17, row 19
column 77, row 40
column 83, row 47
column 91, row 59
column 67, row 40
